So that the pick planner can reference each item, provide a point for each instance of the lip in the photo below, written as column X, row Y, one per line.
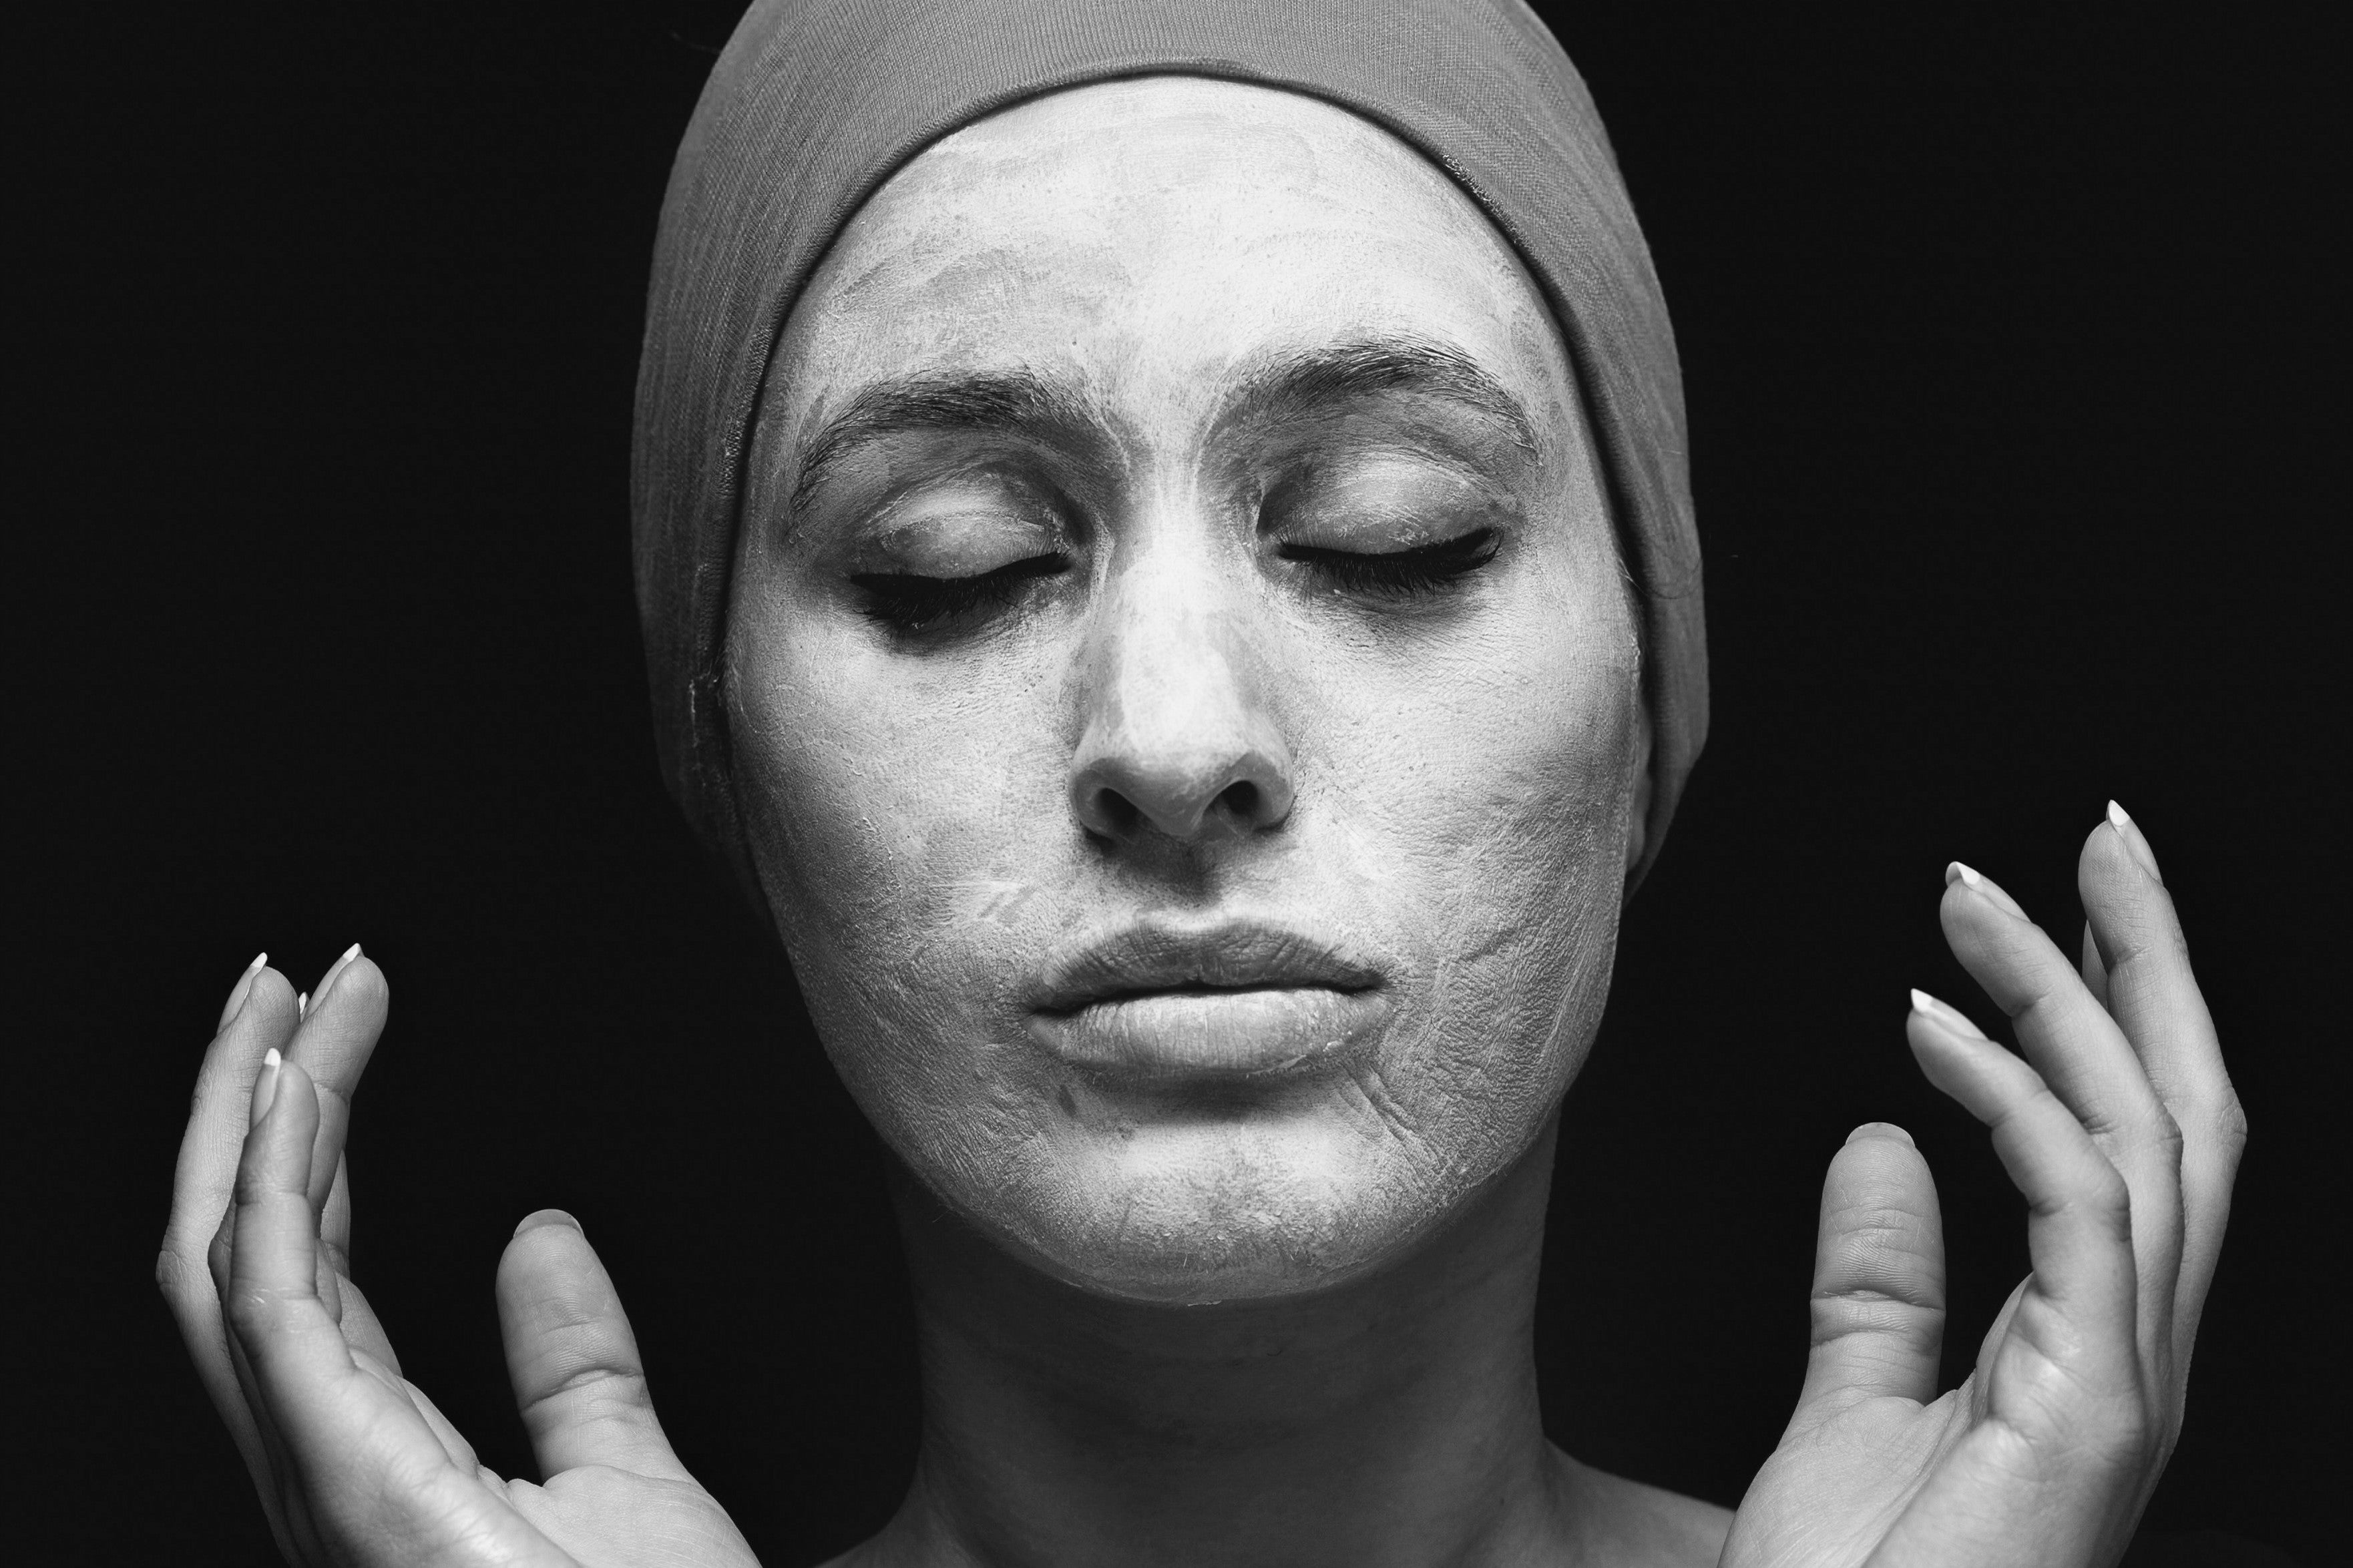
column 1161, row 999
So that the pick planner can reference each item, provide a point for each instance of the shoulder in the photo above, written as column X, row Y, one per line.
column 1642, row 1526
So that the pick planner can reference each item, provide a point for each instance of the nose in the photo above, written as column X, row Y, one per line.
column 1179, row 739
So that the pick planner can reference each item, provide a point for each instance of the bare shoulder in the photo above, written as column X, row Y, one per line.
column 1624, row 1523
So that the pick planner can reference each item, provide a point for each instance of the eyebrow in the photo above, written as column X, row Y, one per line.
column 1296, row 385
column 1013, row 402
column 1302, row 385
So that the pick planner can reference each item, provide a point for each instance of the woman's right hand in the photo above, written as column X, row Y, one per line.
column 354, row 1463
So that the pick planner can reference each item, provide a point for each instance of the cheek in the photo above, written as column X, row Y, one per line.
column 1495, row 793
column 894, row 815
column 1495, row 759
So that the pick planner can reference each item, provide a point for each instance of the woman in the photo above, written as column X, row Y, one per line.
column 1167, row 569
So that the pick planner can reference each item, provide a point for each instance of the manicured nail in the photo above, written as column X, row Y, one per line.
column 1949, row 1017
column 241, row 990
column 546, row 1217
column 265, row 1087
column 2135, row 841
column 1977, row 882
column 1883, row 1128
column 327, row 981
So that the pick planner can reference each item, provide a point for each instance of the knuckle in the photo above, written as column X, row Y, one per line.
column 1890, row 1257
column 2107, row 1192
column 251, row 1312
column 2231, row 1122
column 599, row 1388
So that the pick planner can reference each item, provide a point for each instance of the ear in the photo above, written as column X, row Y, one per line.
column 1638, row 832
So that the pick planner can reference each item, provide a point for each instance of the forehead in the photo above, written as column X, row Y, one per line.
column 1148, row 238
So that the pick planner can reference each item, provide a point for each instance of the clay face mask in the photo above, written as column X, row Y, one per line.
column 1184, row 695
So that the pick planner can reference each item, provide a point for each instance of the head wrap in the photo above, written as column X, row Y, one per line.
column 815, row 103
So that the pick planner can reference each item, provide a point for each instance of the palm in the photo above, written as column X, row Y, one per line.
column 1831, row 1492
column 354, row 1462
column 2120, row 1128
column 640, row 1510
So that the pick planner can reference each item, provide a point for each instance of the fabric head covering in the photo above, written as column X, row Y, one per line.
column 815, row 103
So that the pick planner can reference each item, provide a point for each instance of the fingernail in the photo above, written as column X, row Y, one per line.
column 327, row 981
column 1945, row 1016
column 1883, row 1128
column 1976, row 882
column 547, row 1217
column 265, row 1087
column 303, row 1005
column 241, row 990
column 2135, row 841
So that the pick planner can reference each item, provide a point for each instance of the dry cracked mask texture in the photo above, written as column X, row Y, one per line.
column 1184, row 696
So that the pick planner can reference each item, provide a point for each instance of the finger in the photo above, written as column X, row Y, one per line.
column 274, row 1475
column 268, row 1462
column 2094, row 968
column 284, row 1342
column 338, row 1034
column 261, row 1018
column 269, row 1479
column 272, row 1299
column 2079, row 1228
column 1879, row 1274
column 2089, row 1065
column 578, row 1382
column 2155, row 1001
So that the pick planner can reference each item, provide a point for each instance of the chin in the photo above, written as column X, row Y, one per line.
column 1211, row 1211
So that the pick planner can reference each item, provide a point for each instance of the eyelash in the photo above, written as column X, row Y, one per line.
column 908, row 602
column 1401, row 574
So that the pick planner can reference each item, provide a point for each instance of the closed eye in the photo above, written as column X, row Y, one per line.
column 909, row 603
column 1398, row 575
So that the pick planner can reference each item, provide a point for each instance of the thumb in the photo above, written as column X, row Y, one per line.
column 578, row 1382
column 1879, row 1274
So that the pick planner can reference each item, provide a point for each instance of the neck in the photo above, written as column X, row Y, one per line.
column 1389, row 1421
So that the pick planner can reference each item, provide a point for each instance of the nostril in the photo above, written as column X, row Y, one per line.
column 1112, row 814
column 1240, row 799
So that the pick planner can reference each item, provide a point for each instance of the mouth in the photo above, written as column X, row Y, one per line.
column 1161, row 1000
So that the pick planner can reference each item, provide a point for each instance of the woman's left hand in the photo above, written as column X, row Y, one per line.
column 2121, row 1128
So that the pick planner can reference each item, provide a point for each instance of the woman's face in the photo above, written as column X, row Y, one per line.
column 1184, row 693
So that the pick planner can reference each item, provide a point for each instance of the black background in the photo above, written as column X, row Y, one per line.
column 2011, row 350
